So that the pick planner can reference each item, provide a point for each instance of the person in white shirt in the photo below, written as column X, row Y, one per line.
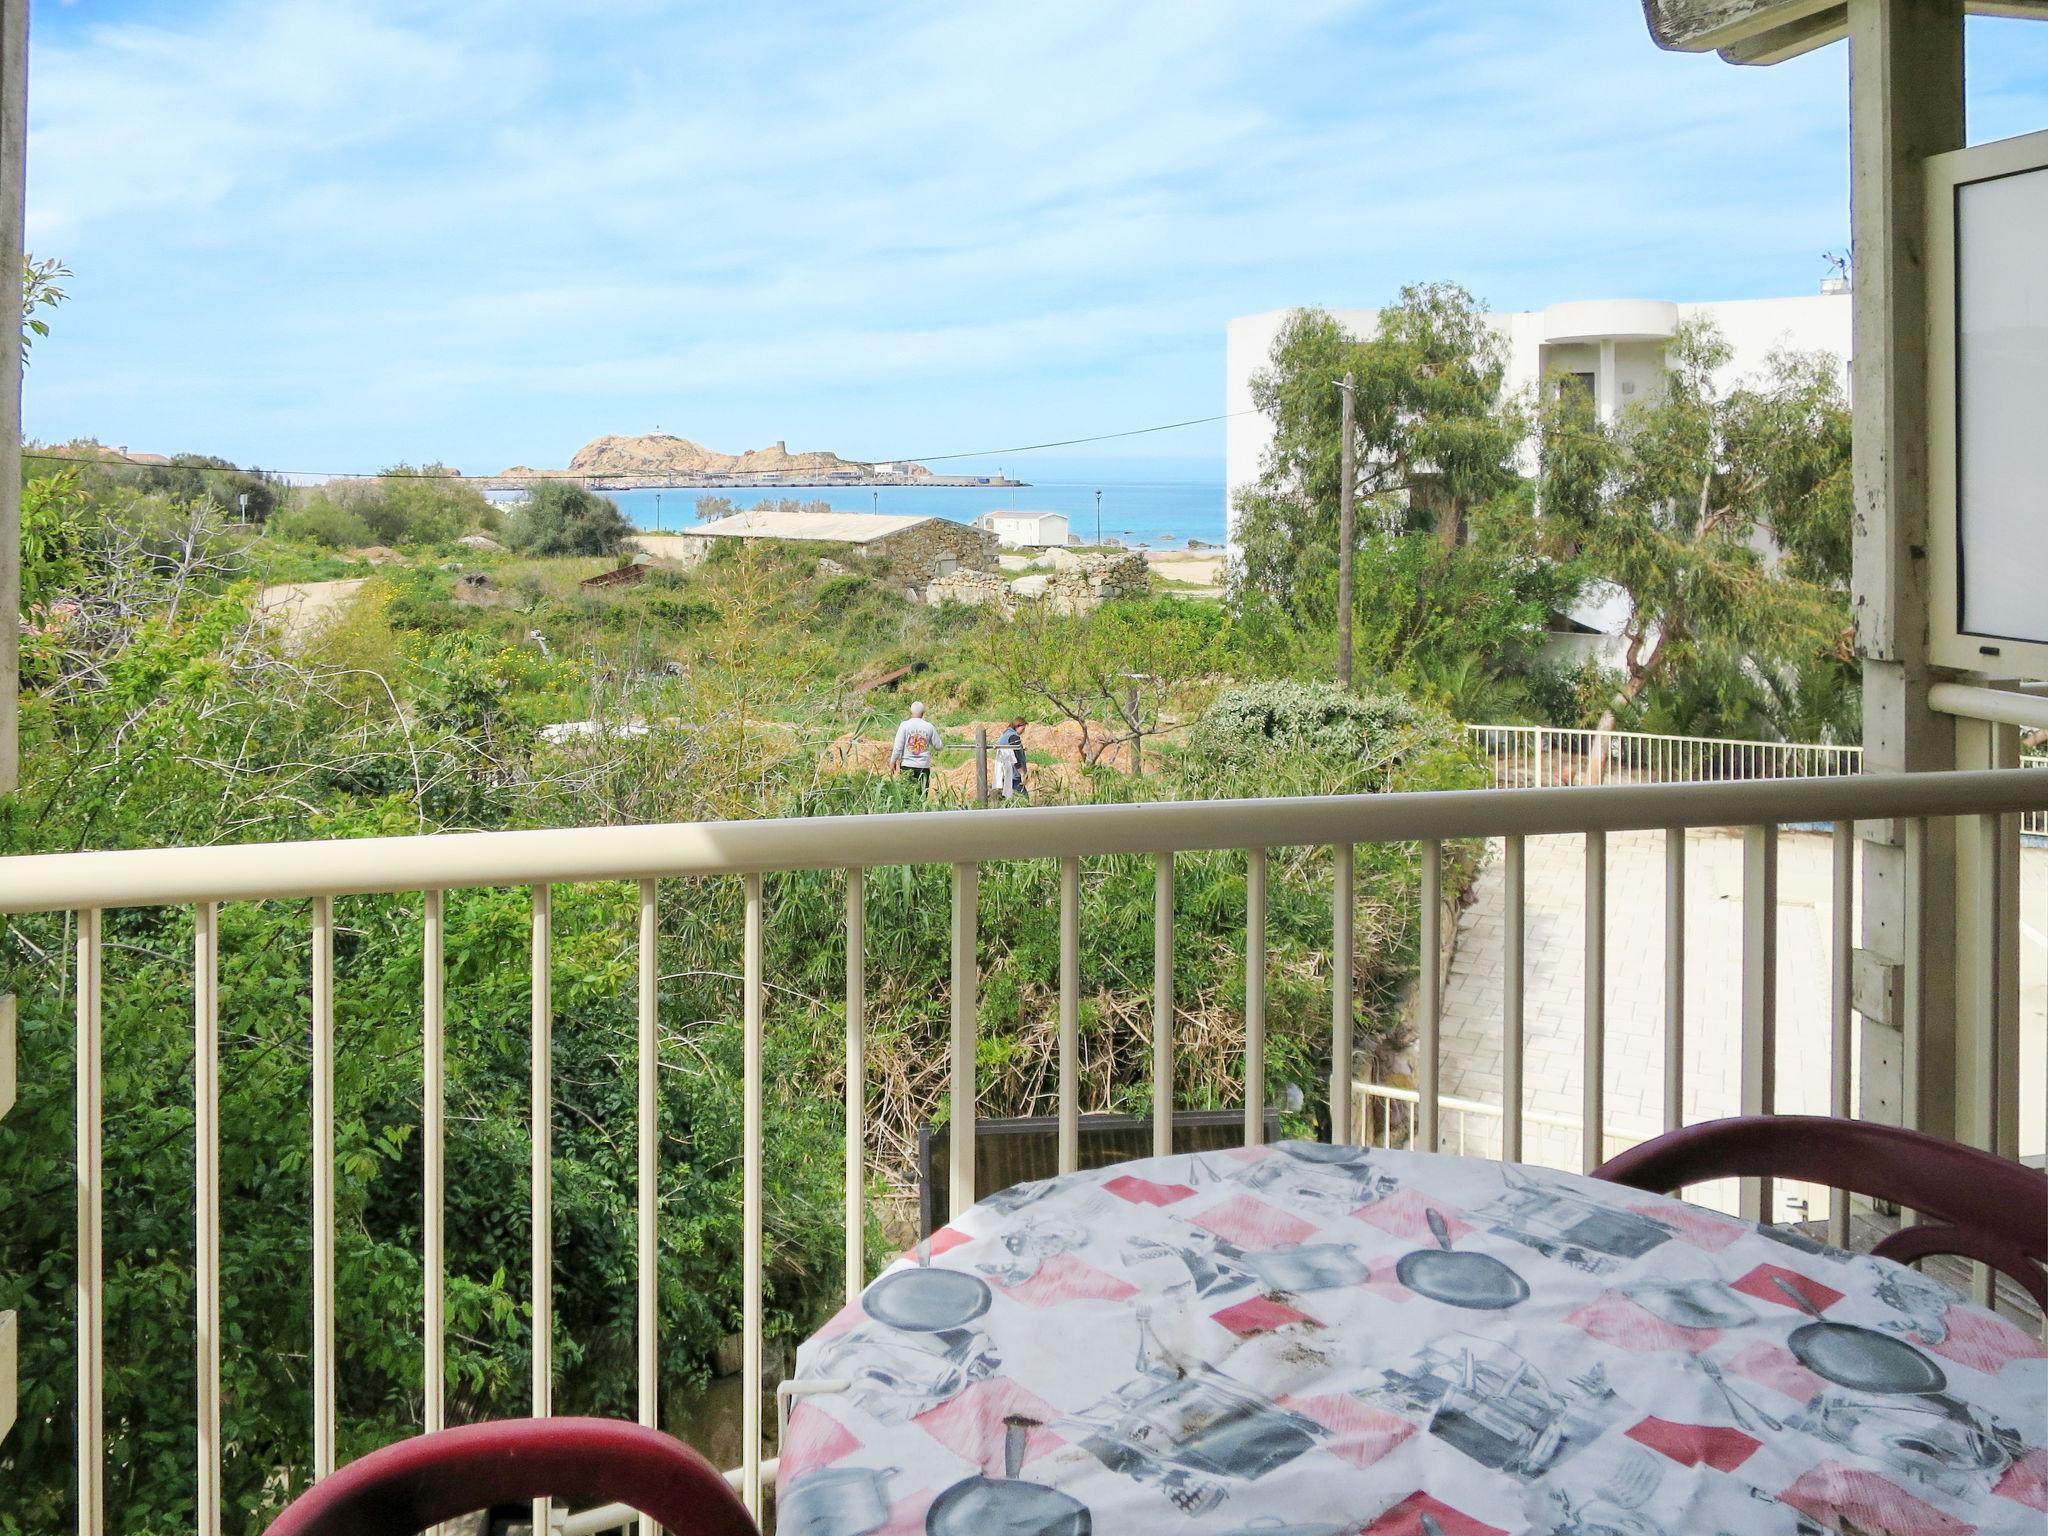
column 916, row 740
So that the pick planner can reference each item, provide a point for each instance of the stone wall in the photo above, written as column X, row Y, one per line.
column 1083, row 583
column 975, row 589
column 916, row 551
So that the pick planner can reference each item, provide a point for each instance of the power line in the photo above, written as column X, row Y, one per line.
column 629, row 474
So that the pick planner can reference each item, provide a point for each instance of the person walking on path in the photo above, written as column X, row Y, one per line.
column 1010, row 762
column 916, row 740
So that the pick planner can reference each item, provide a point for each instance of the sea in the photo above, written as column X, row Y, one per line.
column 1154, row 513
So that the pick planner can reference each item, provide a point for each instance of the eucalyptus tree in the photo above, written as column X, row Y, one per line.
column 1719, row 515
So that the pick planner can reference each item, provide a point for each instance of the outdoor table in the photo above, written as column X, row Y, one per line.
column 1313, row 1339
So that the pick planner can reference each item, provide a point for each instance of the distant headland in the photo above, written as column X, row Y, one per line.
column 657, row 459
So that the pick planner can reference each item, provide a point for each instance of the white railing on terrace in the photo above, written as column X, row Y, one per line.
column 1983, row 805
column 1535, row 756
column 1385, row 1115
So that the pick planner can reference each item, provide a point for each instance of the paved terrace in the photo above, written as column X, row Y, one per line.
column 1555, row 989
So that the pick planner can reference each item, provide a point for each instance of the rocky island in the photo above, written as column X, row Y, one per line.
column 656, row 459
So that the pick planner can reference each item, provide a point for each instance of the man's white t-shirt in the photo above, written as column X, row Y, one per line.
column 916, row 741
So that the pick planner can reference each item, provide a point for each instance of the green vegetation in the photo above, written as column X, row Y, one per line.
column 1462, row 561
column 563, row 519
column 160, row 712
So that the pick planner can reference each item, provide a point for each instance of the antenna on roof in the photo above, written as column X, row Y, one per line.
column 1838, row 267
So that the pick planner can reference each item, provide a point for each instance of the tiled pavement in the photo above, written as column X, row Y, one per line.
column 1554, row 1005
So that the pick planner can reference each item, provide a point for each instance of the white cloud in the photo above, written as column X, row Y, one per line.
column 300, row 226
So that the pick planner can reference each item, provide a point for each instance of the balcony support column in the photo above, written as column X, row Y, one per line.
column 1906, row 102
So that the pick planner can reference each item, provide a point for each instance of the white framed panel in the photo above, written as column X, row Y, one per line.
column 1987, row 262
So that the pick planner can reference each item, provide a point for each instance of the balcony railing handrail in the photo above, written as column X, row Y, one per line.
column 344, row 867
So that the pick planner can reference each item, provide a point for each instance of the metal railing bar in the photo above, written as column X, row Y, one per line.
column 1514, row 983
column 1759, row 995
column 433, row 1164
column 1162, row 1005
column 324, row 1371
column 647, row 1173
column 1913, row 1003
column 266, row 871
column 90, row 1259
column 856, row 1081
column 1429, row 995
column 1841, row 1001
column 1070, row 1015
column 1674, row 978
column 1594, row 1088
column 541, row 1190
column 1344, row 859
column 1255, row 997
column 966, row 1006
column 206, row 1212
column 751, row 1254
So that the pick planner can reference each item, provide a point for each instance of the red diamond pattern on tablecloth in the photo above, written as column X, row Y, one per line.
column 813, row 1439
column 1261, row 1314
column 1762, row 1283
column 1405, row 1213
column 1063, row 1278
column 1615, row 1319
column 1773, row 1365
column 1693, row 1445
column 1702, row 1229
column 1983, row 1342
column 2026, row 1481
column 1848, row 1498
column 1359, row 1434
column 1405, row 1519
column 969, row 1423
column 1251, row 1223
column 1144, row 1192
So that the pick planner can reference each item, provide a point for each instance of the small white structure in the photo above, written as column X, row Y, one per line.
column 1026, row 530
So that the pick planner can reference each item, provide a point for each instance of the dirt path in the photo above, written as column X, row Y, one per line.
column 303, row 607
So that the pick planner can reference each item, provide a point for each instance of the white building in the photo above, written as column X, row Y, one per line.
column 1615, row 346
column 1026, row 530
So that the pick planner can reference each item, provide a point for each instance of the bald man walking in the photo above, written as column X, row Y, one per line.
column 916, row 740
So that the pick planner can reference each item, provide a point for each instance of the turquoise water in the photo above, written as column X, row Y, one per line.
column 1157, row 512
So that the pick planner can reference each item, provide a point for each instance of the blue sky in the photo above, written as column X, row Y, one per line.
column 338, row 234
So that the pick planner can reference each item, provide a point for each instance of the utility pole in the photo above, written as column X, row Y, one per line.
column 13, row 173
column 1098, row 519
column 1347, row 475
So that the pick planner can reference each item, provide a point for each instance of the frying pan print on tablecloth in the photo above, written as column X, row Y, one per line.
column 926, row 1300
column 1861, row 1359
column 1474, row 1280
column 1007, row 1506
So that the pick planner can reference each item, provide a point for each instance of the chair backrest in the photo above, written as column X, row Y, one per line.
column 416, row 1484
column 1975, row 1204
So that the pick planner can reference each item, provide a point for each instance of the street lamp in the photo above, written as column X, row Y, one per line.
column 1098, row 517
column 657, row 511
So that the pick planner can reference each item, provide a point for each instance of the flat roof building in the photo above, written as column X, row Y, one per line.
column 1026, row 530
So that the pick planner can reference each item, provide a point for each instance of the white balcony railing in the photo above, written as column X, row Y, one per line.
column 1533, row 756
column 1983, row 806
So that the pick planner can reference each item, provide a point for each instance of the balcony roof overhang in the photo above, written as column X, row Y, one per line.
column 1771, row 31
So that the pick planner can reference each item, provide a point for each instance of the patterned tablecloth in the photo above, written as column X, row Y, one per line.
column 1305, row 1340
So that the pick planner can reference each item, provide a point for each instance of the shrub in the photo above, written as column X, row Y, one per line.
column 322, row 522
column 1321, row 719
column 564, row 519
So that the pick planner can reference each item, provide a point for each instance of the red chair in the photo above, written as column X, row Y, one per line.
column 1972, row 1203
column 416, row 1484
